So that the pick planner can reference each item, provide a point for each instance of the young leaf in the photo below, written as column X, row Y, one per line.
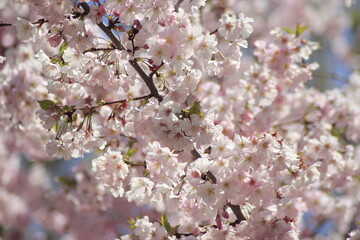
column 67, row 182
column 196, row 109
column 63, row 47
column 300, row 29
column 146, row 172
column 131, row 152
column 288, row 30
column 132, row 222
column 46, row 104
column 165, row 223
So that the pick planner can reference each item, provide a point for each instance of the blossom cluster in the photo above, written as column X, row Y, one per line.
column 195, row 116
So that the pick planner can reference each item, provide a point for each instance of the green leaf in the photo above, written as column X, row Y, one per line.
column 300, row 29
column 165, row 223
column 56, row 126
column 131, row 152
column 196, row 109
column 132, row 222
column 63, row 47
column 337, row 132
column 67, row 182
column 146, row 172
column 46, row 104
column 288, row 30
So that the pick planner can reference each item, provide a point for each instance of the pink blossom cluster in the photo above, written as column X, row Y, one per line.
column 195, row 116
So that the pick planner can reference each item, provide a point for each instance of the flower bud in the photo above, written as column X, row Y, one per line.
column 196, row 231
column 225, row 214
column 218, row 222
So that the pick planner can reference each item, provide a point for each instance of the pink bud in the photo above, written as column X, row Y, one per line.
column 218, row 222
column 196, row 231
column 137, row 24
column 247, row 116
column 171, row 19
column 225, row 214
column 116, row 14
column 146, row 46
column 196, row 173
column 124, row 105
column 120, row 28
column 101, row 11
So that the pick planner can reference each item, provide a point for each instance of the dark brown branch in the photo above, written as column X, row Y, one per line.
column 86, row 8
column 5, row 24
column 40, row 22
column 98, row 49
column 111, row 35
column 177, row 5
column 213, row 32
column 154, row 72
column 179, row 235
column 195, row 154
column 147, row 79
column 237, row 211
column 108, row 31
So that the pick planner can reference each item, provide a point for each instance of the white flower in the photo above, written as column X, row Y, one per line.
column 244, row 24
column 233, row 28
column 72, row 57
column 209, row 192
column 24, row 28
column 140, row 190
column 111, row 170
column 143, row 228
column 50, row 70
column 2, row 59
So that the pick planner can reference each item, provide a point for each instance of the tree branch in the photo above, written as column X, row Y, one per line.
column 177, row 5
column 147, row 79
column 5, row 24
column 111, row 35
column 108, row 31
column 237, row 211
column 98, row 49
column 126, row 100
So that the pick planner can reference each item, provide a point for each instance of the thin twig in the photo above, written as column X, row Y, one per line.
column 127, row 100
column 148, row 80
column 177, row 5
column 213, row 32
column 5, row 24
column 152, row 73
column 98, row 49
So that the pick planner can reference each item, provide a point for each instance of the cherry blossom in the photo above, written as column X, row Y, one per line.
column 180, row 119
